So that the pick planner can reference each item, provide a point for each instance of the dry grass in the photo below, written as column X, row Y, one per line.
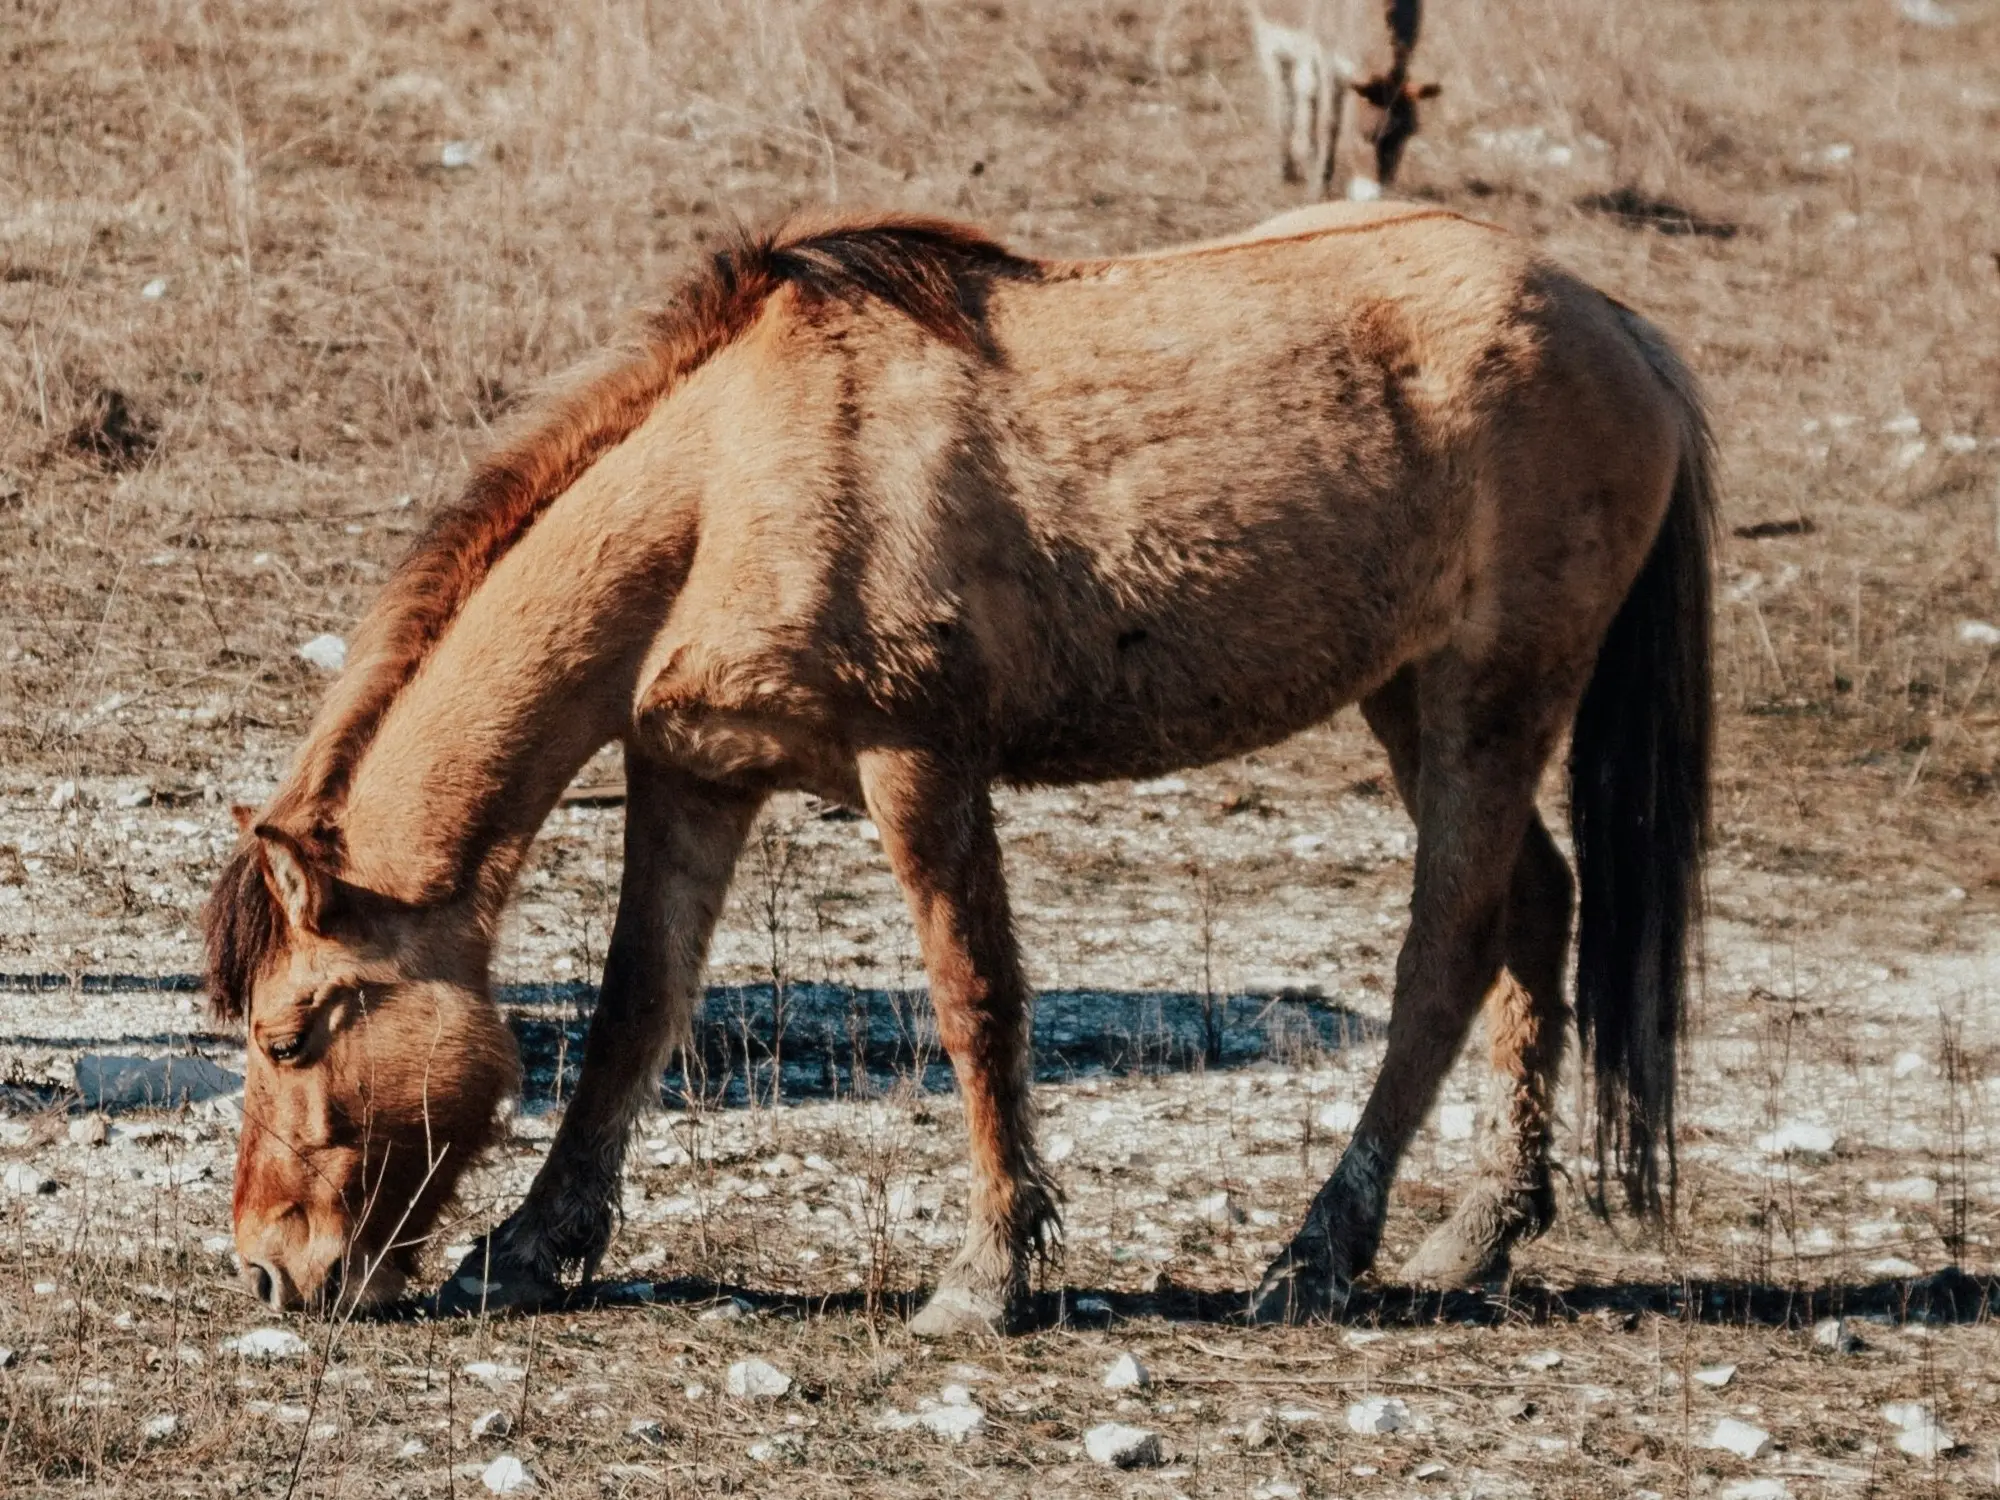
column 193, row 483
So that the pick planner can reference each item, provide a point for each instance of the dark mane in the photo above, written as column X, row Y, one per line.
column 933, row 271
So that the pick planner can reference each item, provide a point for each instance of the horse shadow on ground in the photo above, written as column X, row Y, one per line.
column 1944, row 1298
column 761, row 1044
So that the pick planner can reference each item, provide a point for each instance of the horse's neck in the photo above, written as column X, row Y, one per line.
column 535, row 674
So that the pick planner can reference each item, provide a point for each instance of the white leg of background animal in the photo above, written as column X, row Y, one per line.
column 1293, row 72
column 682, row 839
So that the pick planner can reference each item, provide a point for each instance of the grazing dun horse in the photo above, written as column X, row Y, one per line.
column 1332, row 60
column 884, row 511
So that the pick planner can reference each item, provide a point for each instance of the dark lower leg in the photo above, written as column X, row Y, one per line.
column 937, row 828
column 682, row 838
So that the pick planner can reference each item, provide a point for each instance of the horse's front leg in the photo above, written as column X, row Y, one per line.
column 682, row 838
column 936, row 821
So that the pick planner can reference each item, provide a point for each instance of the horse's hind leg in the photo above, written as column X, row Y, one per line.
column 1485, row 735
column 1526, row 1025
column 682, row 838
column 937, row 829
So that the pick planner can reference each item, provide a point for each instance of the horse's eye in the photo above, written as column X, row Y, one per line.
column 284, row 1049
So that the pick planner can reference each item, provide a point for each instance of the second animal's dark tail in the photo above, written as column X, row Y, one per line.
column 1639, row 808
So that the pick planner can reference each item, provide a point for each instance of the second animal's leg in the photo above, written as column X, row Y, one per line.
column 1331, row 107
column 937, row 829
column 1527, row 1023
column 682, row 838
column 1485, row 735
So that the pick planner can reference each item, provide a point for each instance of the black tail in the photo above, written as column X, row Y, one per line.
column 1639, row 764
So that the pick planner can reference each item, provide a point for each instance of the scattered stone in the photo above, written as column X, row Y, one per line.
column 1544, row 1359
column 155, row 289
column 955, row 1421
column 1743, row 1439
column 1256, row 1433
column 755, row 1380
column 8, row 1359
column 779, row 1445
column 1715, row 1377
column 1277, row 1487
column 694, row 1390
column 15, row 1133
column 1906, row 1190
column 1058, row 1148
column 1797, row 1139
column 1755, row 1489
column 63, row 795
column 327, row 652
column 458, row 155
column 25, row 1180
column 1118, row 1446
column 648, row 1430
column 486, row 1369
column 1342, row 1115
column 1127, row 1374
column 110, row 1081
column 1918, row 1434
column 1893, row 1266
column 1926, row 13
column 1512, row 1408
column 1218, row 1209
column 1376, row 1415
column 507, row 1475
column 158, row 1429
column 1457, row 1122
column 492, row 1424
column 267, row 1344
column 1834, row 1334
column 414, row 1448
column 1429, row 1471
column 90, row 1130
column 1092, row 1307
column 735, row 1310
column 1915, row 1062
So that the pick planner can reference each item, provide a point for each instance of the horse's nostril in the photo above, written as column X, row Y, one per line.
column 264, row 1284
column 329, row 1289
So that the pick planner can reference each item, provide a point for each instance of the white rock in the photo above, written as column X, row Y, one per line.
column 1909, row 454
column 1909, row 424
column 1906, row 1190
column 1904, row 1415
column 954, row 1421
column 777, row 1446
column 1797, row 1138
column 1926, row 13
column 1127, row 1374
column 1118, row 1446
column 1341, row 1115
column 327, row 652
column 8, row 1359
column 1277, row 1487
column 648, row 1430
column 1378, row 1414
column 1959, row 442
column 1456, row 1122
column 155, row 289
column 1912, row 1062
column 62, row 796
column 1741, row 1438
column 15, row 1133
column 1715, row 1377
column 694, row 1390
column 507, row 1475
column 1978, row 633
column 1925, row 1440
column 457, row 155
column 1216, row 1208
column 1546, row 1359
column 1893, row 1266
column 414, row 1448
column 1306, row 845
column 1164, row 786
column 486, row 1369
column 1755, row 1489
column 1058, row 1148
column 158, row 1429
column 1428, row 1471
column 756, row 1380
column 732, row 1311
column 89, row 1130
column 495, row 1424
column 25, row 1180
column 1832, row 1333
column 267, row 1344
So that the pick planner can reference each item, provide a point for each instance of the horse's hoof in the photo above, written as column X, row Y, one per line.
column 1298, row 1290
column 1474, row 1245
column 478, row 1287
column 959, row 1312
column 1449, row 1259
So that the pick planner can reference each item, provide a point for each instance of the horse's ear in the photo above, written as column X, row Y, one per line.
column 1426, row 90
column 303, row 889
column 246, row 819
column 1377, row 91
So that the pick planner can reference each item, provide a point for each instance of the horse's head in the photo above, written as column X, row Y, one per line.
column 376, row 1064
column 1388, row 118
